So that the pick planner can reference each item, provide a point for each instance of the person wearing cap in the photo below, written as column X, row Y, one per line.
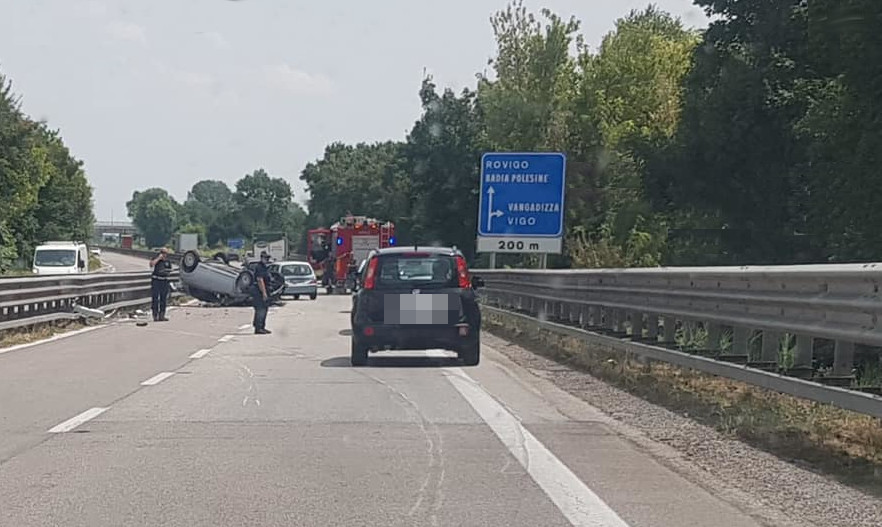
column 159, row 284
column 261, row 297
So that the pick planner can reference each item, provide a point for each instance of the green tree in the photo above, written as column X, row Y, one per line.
column 362, row 179
column 442, row 157
column 155, row 214
column 209, row 205
column 64, row 210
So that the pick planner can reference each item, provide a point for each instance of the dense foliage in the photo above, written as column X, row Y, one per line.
column 259, row 203
column 44, row 194
column 755, row 141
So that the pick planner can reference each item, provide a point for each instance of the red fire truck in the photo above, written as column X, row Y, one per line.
column 335, row 252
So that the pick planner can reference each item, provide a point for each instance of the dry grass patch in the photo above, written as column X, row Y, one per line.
column 839, row 442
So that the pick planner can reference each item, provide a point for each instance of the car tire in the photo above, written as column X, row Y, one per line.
column 190, row 261
column 244, row 281
column 296, row 297
column 359, row 353
column 313, row 296
column 470, row 353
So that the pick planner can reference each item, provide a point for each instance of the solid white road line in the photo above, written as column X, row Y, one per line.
column 76, row 421
column 158, row 378
column 201, row 353
column 51, row 339
column 244, row 326
column 226, row 338
column 579, row 504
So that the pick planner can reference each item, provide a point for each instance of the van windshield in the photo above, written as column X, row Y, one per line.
column 55, row 258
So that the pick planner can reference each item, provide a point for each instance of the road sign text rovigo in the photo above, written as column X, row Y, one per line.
column 521, row 208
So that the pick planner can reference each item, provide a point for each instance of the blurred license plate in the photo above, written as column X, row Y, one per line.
column 417, row 309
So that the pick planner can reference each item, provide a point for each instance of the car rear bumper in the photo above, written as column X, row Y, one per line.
column 301, row 289
column 415, row 337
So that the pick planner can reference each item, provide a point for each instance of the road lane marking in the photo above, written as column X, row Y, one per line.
column 244, row 326
column 76, row 421
column 226, row 338
column 578, row 503
column 158, row 378
column 201, row 353
column 51, row 339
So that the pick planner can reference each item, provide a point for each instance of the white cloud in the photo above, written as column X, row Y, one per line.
column 287, row 78
column 194, row 79
column 91, row 8
column 127, row 31
column 216, row 39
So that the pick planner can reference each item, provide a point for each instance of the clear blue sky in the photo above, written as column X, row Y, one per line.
column 169, row 92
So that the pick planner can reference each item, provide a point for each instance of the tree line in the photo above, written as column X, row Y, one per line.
column 44, row 193
column 257, row 203
column 753, row 141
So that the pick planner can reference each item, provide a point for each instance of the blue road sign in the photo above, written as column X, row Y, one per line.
column 522, row 194
column 236, row 243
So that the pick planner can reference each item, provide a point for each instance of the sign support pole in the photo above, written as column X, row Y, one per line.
column 492, row 260
column 543, row 261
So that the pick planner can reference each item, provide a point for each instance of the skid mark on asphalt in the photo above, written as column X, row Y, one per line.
column 435, row 472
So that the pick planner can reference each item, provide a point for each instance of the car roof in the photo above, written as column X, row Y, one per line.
column 447, row 251
column 289, row 262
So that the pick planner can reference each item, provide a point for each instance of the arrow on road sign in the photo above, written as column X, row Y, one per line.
column 490, row 212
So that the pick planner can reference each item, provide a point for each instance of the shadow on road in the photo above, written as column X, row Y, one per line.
column 396, row 362
column 345, row 332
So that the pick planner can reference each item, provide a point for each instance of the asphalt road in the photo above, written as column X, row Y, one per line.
column 198, row 422
column 122, row 263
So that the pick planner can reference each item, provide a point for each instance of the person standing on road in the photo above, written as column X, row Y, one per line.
column 159, row 284
column 260, row 295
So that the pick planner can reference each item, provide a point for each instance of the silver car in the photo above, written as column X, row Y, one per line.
column 299, row 278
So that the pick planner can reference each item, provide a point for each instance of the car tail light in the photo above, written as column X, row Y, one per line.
column 370, row 277
column 462, row 272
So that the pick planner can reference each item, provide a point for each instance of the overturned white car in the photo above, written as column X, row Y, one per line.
column 218, row 282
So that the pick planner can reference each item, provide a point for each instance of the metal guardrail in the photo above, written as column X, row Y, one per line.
column 735, row 306
column 30, row 300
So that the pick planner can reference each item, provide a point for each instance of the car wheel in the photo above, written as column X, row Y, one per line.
column 313, row 296
column 359, row 353
column 470, row 353
column 244, row 281
column 190, row 261
column 296, row 297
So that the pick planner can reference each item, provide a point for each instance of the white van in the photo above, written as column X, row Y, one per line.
column 56, row 258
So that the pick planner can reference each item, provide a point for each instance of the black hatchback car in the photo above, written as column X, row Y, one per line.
column 416, row 298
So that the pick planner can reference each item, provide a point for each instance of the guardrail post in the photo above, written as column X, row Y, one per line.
column 594, row 316
column 771, row 346
column 802, row 358
column 636, row 325
column 713, row 336
column 740, row 341
column 843, row 358
column 670, row 327
column 652, row 327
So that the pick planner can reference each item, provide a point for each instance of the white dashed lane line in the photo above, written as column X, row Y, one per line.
column 201, row 353
column 76, row 421
column 226, row 338
column 158, row 378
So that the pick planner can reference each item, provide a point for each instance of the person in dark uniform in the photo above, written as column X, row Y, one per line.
column 261, row 295
column 159, row 284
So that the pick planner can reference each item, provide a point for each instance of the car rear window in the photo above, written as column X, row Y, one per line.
column 427, row 271
column 295, row 270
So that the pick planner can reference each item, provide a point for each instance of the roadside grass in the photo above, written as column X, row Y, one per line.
column 28, row 334
column 36, row 332
column 840, row 443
